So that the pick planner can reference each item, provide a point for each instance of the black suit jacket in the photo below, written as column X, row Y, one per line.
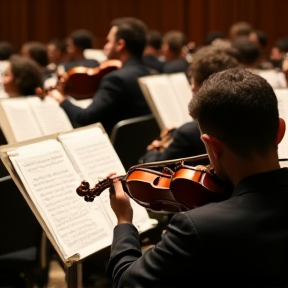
column 240, row 242
column 119, row 97
column 175, row 66
column 186, row 142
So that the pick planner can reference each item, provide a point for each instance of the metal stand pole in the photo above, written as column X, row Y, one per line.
column 74, row 275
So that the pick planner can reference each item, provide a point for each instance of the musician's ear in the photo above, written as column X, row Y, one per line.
column 281, row 130
column 213, row 145
column 121, row 44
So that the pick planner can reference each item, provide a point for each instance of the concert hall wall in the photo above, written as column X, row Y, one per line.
column 41, row 20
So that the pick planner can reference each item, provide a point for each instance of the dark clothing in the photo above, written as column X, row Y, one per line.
column 240, row 242
column 175, row 66
column 186, row 142
column 91, row 63
column 2, row 138
column 153, row 63
column 119, row 97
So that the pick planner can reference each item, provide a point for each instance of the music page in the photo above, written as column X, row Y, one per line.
column 50, row 180
column 17, row 121
column 183, row 91
column 282, row 96
column 167, row 102
column 95, row 158
column 50, row 116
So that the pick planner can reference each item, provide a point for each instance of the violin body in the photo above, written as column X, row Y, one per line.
column 83, row 82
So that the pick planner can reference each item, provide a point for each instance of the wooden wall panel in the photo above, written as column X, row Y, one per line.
column 26, row 20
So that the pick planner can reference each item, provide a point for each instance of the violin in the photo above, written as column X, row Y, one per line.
column 181, row 188
column 82, row 82
column 163, row 141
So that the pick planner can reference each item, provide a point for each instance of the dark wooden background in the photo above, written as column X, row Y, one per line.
column 41, row 20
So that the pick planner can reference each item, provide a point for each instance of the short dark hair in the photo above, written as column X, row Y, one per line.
column 175, row 40
column 208, row 60
column 59, row 43
column 240, row 28
column 154, row 39
column 83, row 39
column 282, row 44
column 240, row 109
column 27, row 74
column 248, row 51
column 133, row 32
column 38, row 52
column 6, row 50
column 261, row 37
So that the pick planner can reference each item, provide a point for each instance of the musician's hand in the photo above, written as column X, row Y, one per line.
column 57, row 95
column 120, row 203
column 154, row 145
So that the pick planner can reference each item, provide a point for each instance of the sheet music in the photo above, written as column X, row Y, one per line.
column 50, row 179
column 183, row 91
column 95, row 158
column 21, row 120
column 167, row 102
column 49, row 115
column 282, row 96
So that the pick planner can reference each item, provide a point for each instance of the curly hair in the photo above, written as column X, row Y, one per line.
column 27, row 74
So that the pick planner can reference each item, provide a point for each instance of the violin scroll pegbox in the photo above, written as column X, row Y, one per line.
column 88, row 193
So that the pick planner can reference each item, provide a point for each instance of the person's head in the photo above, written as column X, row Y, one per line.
column 259, row 37
column 241, row 28
column 172, row 45
column 78, row 41
column 248, row 51
column 6, row 50
column 56, row 51
column 279, row 49
column 238, row 117
column 36, row 51
column 126, row 38
column 206, row 61
column 154, row 43
column 21, row 76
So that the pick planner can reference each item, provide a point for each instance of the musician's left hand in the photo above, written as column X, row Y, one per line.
column 120, row 203
column 57, row 95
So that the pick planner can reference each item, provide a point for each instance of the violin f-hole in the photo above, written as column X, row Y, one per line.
column 156, row 181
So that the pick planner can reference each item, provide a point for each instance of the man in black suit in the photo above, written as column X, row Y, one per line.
column 119, row 95
column 172, row 50
column 185, row 140
column 239, row 242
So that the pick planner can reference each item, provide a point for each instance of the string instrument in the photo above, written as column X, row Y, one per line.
column 81, row 82
column 180, row 188
column 163, row 141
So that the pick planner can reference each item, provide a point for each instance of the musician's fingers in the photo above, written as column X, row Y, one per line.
column 111, row 174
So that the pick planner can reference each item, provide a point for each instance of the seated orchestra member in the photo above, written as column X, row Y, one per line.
column 119, row 95
column 249, row 57
column 21, row 76
column 185, row 140
column 6, row 50
column 152, row 52
column 76, row 43
column 241, row 241
column 172, row 49
column 56, row 52
column 38, row 52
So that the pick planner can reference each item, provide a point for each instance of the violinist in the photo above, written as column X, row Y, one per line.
column 241, row 241
column 185, row 140
column 119, row 95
